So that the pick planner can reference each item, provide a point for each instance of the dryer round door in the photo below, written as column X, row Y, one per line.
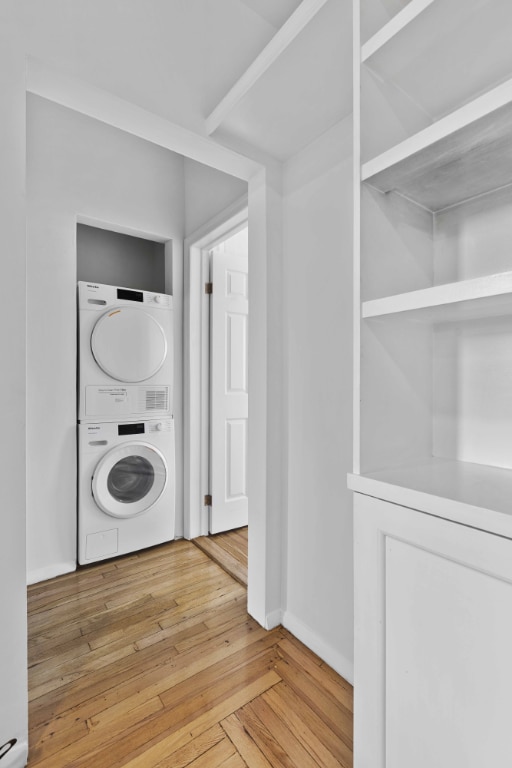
column 129, row 479
column 129, row 344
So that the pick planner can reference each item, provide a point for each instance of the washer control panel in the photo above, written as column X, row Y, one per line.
column 159, row 426
column 104, row 432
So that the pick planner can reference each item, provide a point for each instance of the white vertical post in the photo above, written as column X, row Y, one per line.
column 266, row 414
column 357, row 234
column 13, row 660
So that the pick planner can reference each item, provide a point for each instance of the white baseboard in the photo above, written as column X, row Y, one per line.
column 315, row 643
column 49, row 572
column 273, row 619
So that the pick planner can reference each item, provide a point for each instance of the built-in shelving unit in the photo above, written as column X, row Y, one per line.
column 433, row 262
column 480, row 297
column 296, row 88
column 467, row 153
column 471, row 494
column 454, row 52
column 432, row 431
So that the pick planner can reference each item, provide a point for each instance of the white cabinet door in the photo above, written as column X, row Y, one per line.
column 433, row 641
column 229, row 396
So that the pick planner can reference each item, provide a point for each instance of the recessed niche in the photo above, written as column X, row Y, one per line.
column 113, row 258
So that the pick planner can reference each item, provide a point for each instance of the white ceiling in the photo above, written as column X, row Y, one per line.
column 274, row 11
column 304, row 93
column 179, row 58
column 176, row 58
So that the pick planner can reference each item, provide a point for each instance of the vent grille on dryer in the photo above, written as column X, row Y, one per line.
column 157, row 399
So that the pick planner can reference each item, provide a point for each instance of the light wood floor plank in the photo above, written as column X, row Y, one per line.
column 302, row 733
column 146, row 745
column 235, row 761
column 229, row 550
column 274, row 752
column 244, row 743
column 282, row 735
column 216, row 756
column 184, row 757
column 333, row 684
column 188, row 696
column 151, row 661
column 334, row 715
column 315, row 724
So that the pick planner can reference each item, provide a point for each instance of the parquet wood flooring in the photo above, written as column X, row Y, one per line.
column 229, row 550
column 151, row 661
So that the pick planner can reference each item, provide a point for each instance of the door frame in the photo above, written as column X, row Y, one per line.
column 196, row 356
column 264, row 177
column 22, row 74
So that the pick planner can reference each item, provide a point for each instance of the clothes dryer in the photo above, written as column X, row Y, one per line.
column 126, row 487
column 126, row 353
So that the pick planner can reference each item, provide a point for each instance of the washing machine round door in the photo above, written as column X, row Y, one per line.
column 129, row 479
column 129, row 344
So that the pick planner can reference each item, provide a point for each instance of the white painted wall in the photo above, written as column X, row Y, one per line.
column 207, row 193
column 13, row 665
column 318, row 311
column 76, row 167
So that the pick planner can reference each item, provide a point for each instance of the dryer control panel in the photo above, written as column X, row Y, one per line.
column 96, row 296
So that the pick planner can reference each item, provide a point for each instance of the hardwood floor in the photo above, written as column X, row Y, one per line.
column 151, row 661
column 229, row 550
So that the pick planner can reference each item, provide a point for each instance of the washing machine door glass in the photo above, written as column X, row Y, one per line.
column 129, row 344
column 129, row 479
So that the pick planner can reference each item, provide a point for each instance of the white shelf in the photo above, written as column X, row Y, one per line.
column 442, row 54
column 399, row 22
column 472, row 494
column 297, row 88
column 486, row 296
column 465, row 154
column 427, row 77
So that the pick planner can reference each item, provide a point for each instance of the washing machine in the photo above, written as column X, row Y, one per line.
column 126, row 482
column 126, row 351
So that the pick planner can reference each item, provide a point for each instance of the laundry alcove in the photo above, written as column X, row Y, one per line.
column 115, row 258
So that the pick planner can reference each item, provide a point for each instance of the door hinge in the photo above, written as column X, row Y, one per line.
column 208, row 287
column 208, row 500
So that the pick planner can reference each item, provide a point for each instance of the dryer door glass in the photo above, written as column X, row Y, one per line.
column 129, row 344
column 129, row 479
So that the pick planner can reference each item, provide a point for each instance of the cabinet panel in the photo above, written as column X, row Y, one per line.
column 433, row 668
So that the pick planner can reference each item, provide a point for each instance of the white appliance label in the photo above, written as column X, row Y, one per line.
column 122, row 401
column 103, row 401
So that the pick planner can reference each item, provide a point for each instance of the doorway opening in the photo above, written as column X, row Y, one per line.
column 216, row 392
column 229, row 398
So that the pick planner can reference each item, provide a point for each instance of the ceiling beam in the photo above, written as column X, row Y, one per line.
column 306, row 11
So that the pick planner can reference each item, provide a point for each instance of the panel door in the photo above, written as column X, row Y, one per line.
column 433, row 640
column 229, row 395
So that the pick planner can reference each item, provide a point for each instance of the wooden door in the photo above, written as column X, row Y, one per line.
column 229, row 395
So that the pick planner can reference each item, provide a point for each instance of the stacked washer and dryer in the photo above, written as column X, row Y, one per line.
column 126, row 470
